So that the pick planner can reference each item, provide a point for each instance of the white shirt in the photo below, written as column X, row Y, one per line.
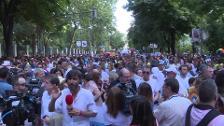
column 119, row 120
column 183, row 81
column 172, row 112
column 101, row 111
column 84, row 101
column 153, row 84
column 104, row 76
column 194, row 69
column 183, row 85
column 50, row 66
column 138, row 80
column 158, row 76
column 197, row 115
column 45, row 101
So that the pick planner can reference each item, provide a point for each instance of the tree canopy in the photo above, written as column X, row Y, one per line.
column 165, row 22
column 56, row 23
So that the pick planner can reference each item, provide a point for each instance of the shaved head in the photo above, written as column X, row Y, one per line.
column 124, row 75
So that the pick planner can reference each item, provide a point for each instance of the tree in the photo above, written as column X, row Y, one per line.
column 117, row 40
column 40, row 12
column 7, row 9
column 158, row 21
column 208, row 15
column 82, row 24
column 56, row 23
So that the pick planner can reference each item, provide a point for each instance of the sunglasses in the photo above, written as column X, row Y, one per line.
column 24, row 84
column 146, row 72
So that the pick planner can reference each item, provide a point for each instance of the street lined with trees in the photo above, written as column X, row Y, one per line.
column 46, row 24
column 165, row 22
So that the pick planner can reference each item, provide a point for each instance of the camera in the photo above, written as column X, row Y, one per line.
column 18, row 108
column 129, row 93
column 34, row 86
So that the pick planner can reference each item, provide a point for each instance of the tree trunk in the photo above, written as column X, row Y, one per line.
column 7, row 20
column 7, row 31
column 167, row 42
column 173, row 42
column 33, row 45
column 39, row 44
column 70, row 42
column 70, row 39
column 168, row 46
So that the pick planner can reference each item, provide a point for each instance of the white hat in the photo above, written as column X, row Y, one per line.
column 171, row 69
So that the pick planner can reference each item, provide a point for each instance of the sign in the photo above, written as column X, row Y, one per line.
column 78, row 43
column 196, row 35
column 84, row 44
column 153, row 46
column 199, row 35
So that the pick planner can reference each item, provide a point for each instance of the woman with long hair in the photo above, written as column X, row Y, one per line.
column 115, row 104
column 90, row 85
column 145, row 90
column 142, row 112
column 96, row 78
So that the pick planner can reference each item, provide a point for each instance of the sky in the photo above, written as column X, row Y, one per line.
column 123, row 17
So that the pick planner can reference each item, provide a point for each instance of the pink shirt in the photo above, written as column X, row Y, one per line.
column 197, row 115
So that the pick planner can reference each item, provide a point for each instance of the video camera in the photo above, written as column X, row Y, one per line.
column 129, row 92
column 34, row 86
column 18, row 108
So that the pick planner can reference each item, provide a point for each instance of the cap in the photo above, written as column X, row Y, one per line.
column 171, row 69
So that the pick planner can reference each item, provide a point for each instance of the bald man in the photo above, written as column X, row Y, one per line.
column 124, row 77
column 126, row 84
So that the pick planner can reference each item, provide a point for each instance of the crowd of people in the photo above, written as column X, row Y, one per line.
column 122, row 90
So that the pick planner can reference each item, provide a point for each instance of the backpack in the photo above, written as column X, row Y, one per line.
column 208, row 117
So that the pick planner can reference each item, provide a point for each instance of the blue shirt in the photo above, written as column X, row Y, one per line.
column 4, row 86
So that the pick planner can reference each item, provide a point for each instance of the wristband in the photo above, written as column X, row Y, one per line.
column 80, row 113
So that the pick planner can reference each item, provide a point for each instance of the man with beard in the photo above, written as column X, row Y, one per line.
column 183, row 78
column 83, row 106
